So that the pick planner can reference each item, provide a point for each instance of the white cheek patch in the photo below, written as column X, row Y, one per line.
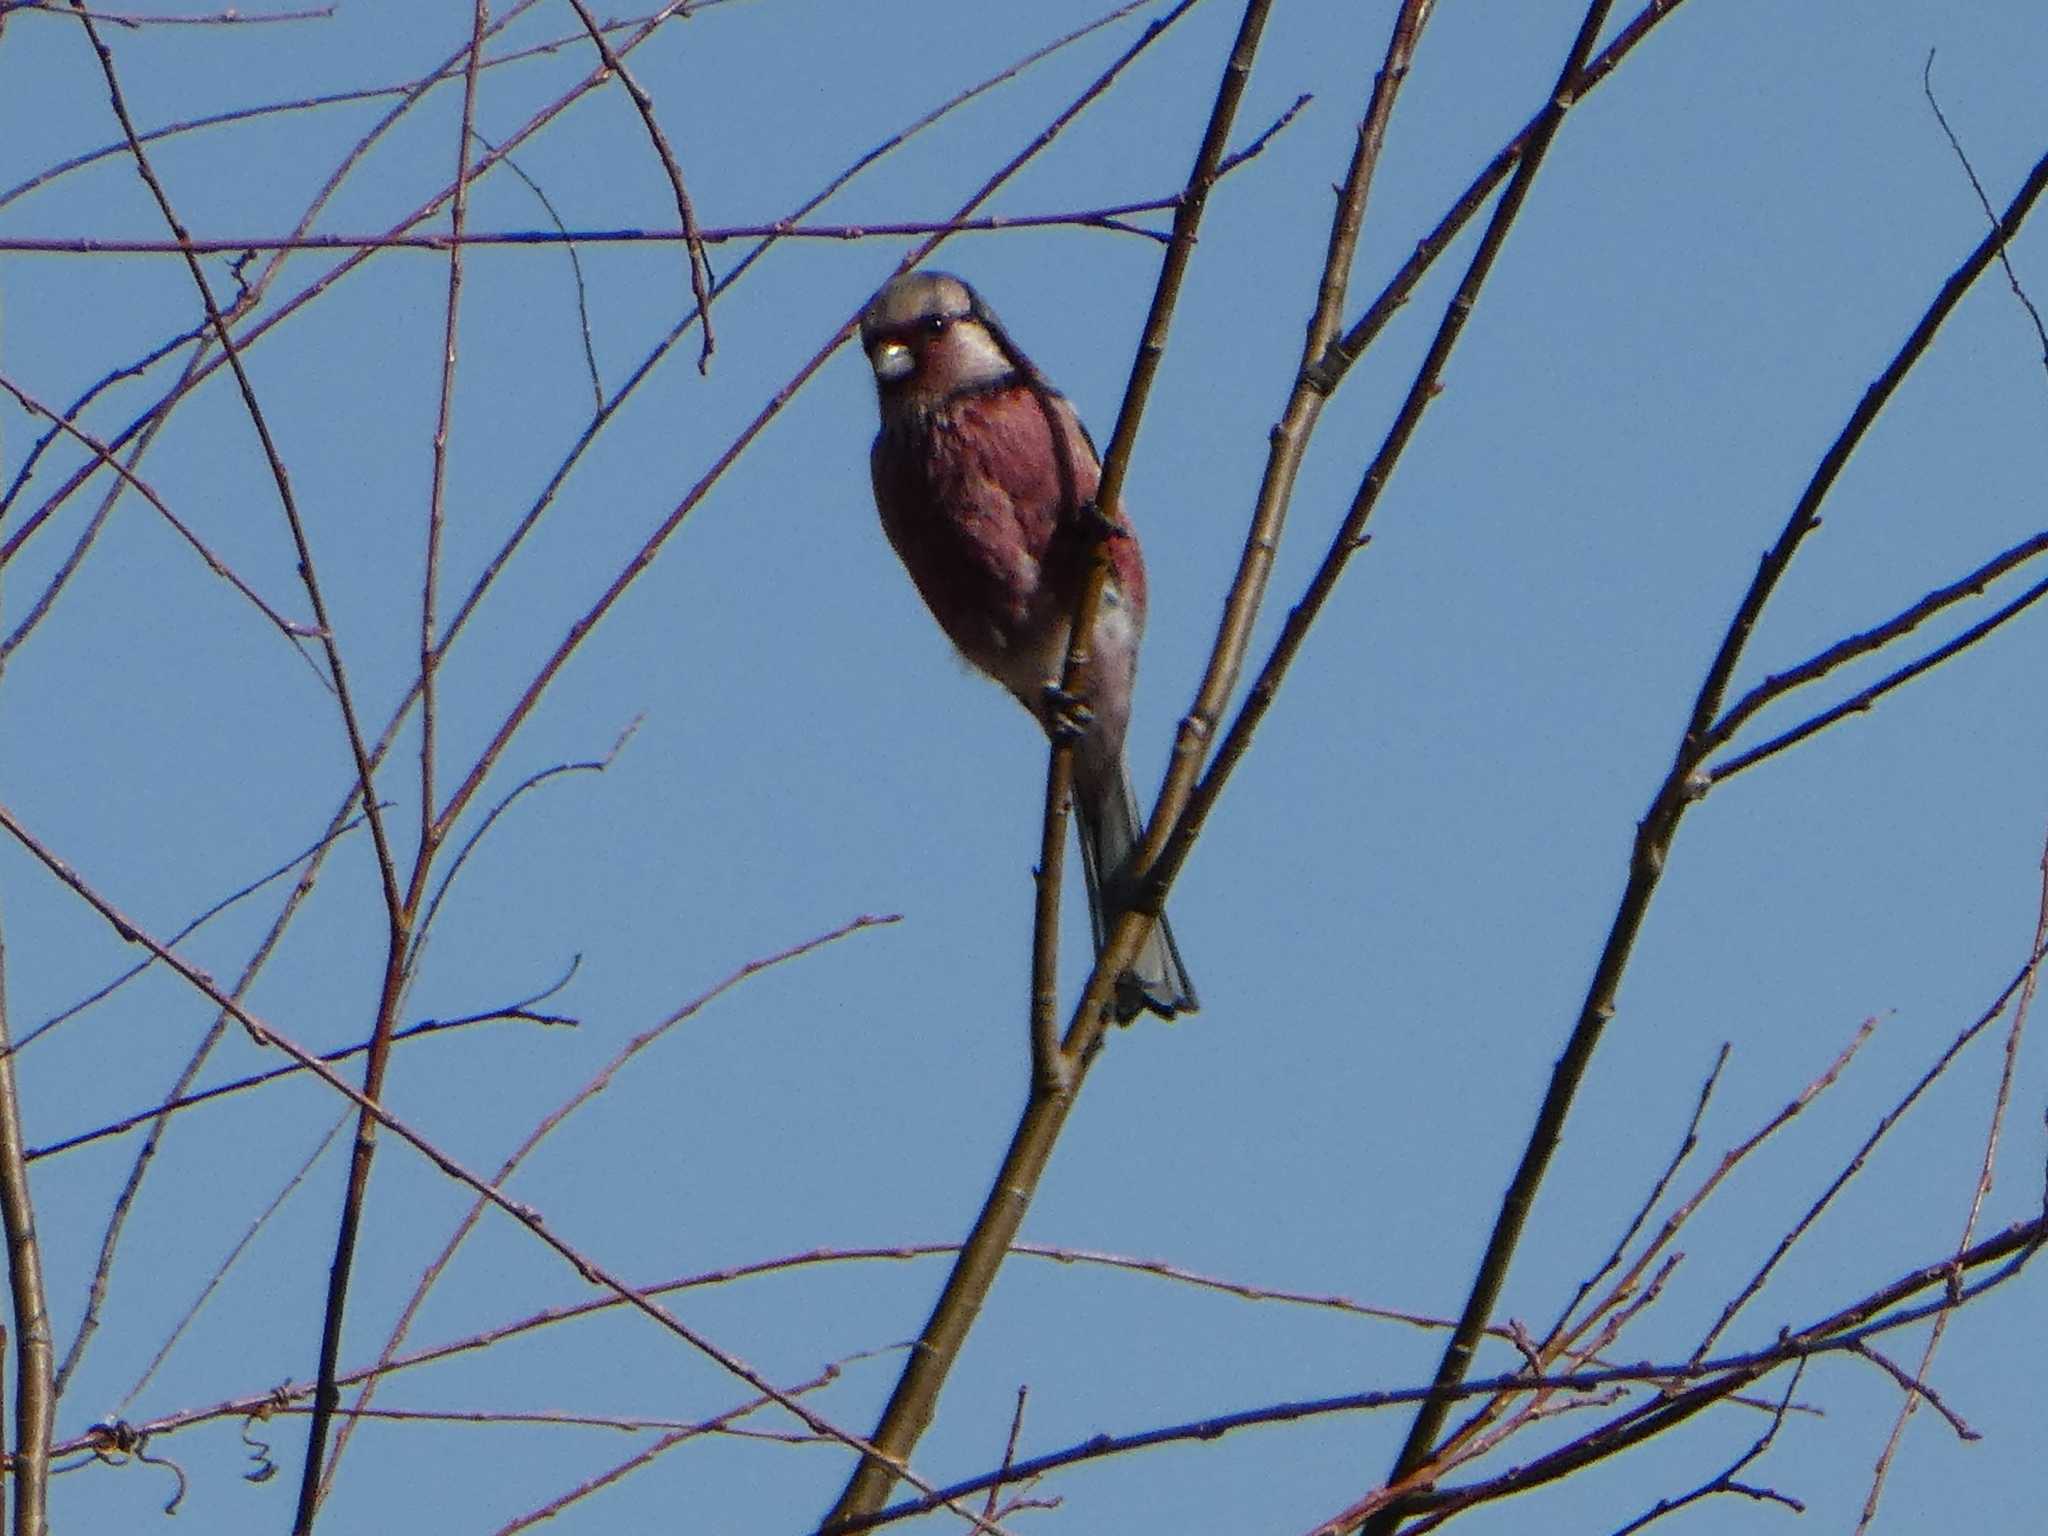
column 976, row 359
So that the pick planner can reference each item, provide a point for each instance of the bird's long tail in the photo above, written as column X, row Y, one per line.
column 1107, row 808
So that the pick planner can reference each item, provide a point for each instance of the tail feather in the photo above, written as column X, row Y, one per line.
column 1110, row 826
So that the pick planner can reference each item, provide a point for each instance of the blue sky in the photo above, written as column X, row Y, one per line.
column 1392, row 917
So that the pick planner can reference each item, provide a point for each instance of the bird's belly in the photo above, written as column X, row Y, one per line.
column 980, row 580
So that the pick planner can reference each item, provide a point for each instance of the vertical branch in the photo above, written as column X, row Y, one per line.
column 326, row 1394
column 1057, row 1075
column 1178, row 816
column 437, row 496
column 34, row 1402
column 1087, row 1031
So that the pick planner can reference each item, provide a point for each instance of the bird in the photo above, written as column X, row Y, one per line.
column 985, row 480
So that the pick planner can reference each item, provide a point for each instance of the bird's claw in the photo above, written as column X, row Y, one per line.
column 1067, row 715
column 1099, row 523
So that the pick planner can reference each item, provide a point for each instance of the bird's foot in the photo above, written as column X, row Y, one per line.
column 1067, row 715
column 1099, row 524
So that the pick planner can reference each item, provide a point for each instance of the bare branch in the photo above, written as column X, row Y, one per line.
column 186, row 932
column 403, row 911
column 1056, row 1074
column 213, row 1282
column 1864, row 698
column 701, row 279
column 1725, row 1481
column 1983, row 201
column 35, row 1398
column 171, row 1106
column 1846, row 650
column 232, row 17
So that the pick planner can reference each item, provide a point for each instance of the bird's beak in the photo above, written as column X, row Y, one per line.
column 892, row 361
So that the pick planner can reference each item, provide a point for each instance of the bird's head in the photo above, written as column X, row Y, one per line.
column 928, row 336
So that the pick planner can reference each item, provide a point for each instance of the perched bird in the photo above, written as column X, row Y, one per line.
column 985, row 480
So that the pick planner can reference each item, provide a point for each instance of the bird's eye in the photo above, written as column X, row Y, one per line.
column 937, row 324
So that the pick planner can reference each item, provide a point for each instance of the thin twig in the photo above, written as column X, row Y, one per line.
column 231, row 17
column 575, row 267
column 1725, row 1482
column 131, row 370
column 402, row 911
column 337, row 675
column 243, row 1405
column 1732, row 1159
column 995, row 1490
column 1686, row 1144
column 288, row 502
column 103, row 993
column 701, row 279
column 1084, row 1034
column 1458, row 1353
column 213, row 1282
column 1837, row 1334
column 639, row 1459
column 1616, row 1309
column 1848, row 649
column 1983, row 201
column 1189, row 803
column 159, row 1112
column 1114, row 218
column 406, row 88
column 425, row 928
column 291, row 629
column 1860, row 701
column 201, row 368
column 145, row 428
column 1915, row 1387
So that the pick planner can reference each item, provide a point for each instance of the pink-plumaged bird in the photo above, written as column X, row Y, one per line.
column 986, row 486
